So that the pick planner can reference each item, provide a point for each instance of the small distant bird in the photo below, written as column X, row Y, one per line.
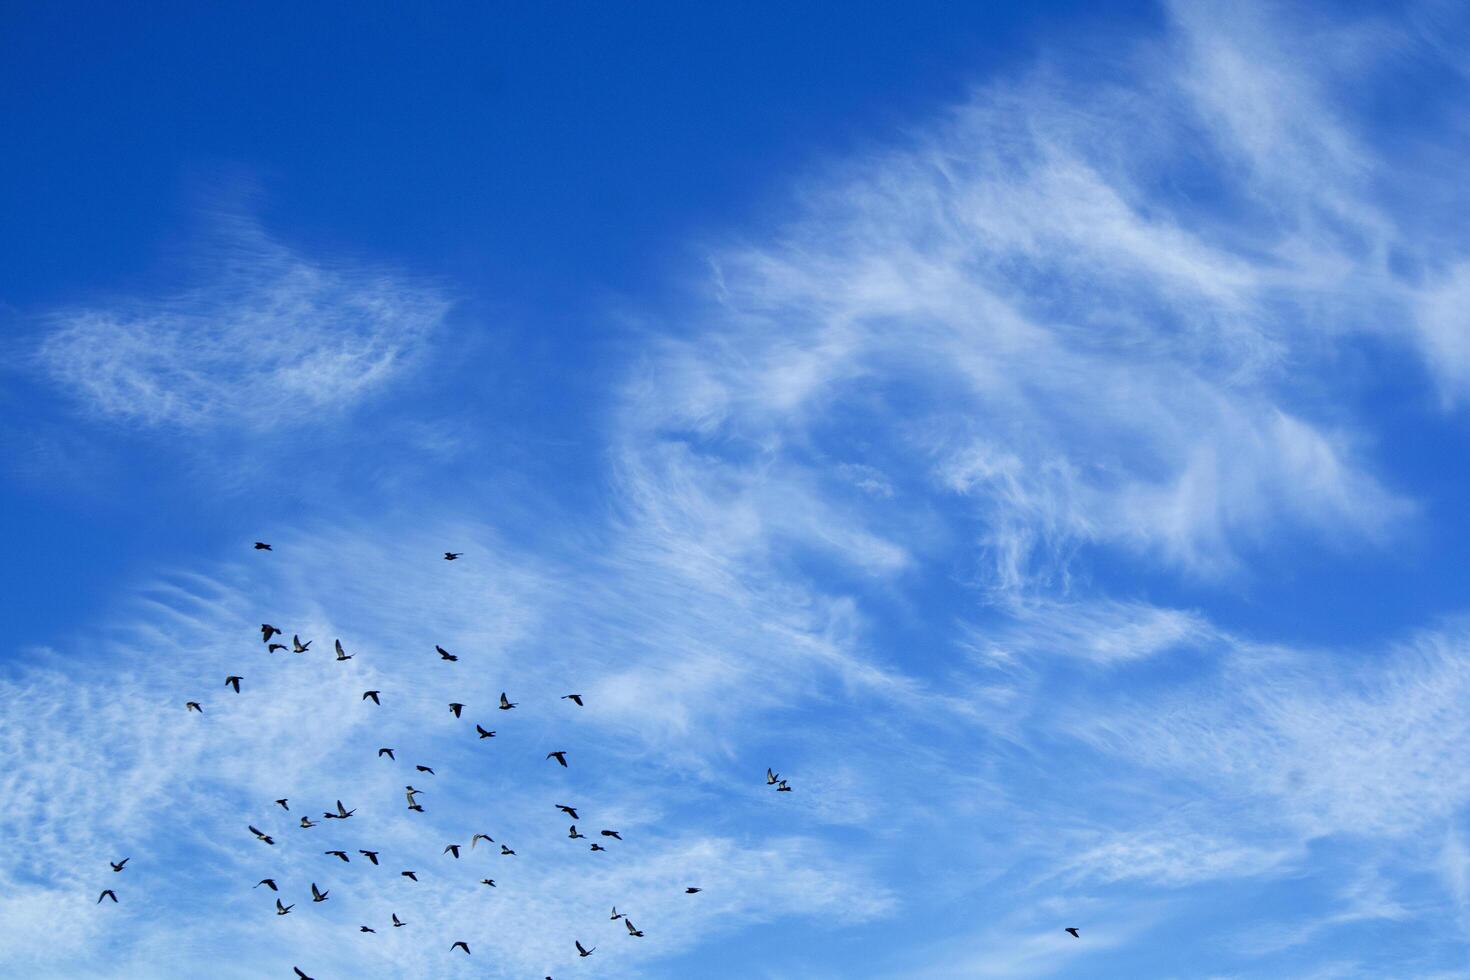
column 274, row 647
column 342, row 654
column 570, row 811
column 597, row 847
column 307, row 823
column 456, row 707
column 613, row 834
column 300, row 975
column 318, row 896
column 192, row 706
column 370, row 855
column 452, row 555
column 340, row 854
column 460, row 945
column 366, row 929
column 282, row 804
column 771, row 777
column 283, row 909
column 505, row 850
column 297, row 646
column 388, row 753
column 488, row 881
column 481, row 837
column 581, row 950
column 693, row 891
column 483, row 733
column 452, row 849
column 373, row 695
column 107, row 893
column 425, row 769
column 783, row 787
column 343, row 814
column 397, row 921
column 410, row 792
column 1074, row 932
column 118, row 865
column 262, row 546
column 575, row 698
column 267, row 882
column 234, row 681
column 260, row 836
column 445, row 654
column 572, row 832
column 409, row 875
column 504, row 704
column 267, row 631
column 616, row 915
column 559, row 757
column 638, row 933
column 416, row 808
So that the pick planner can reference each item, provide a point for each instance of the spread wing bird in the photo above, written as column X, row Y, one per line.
column 409, row 875
column 783, row 787
column 192, row 706
column 582, row 950
column 597, row 847
column 366, row 929
column 107, row 893
column 267, row 882
column 373, row 695
column 388, row 753
column 317, row 896
column 632, row 931
column 771, row 777
column 461, row 945
column 1074, row 932
column 370, row 855
column 267, row 631
column 260, row 836
column 560, row 756
column 397, row 921
column 340, row 854
column 504, row 704
column 505, row 850
column 282, row 804
column 410, row 792
column 574, row 698
column 481, row 837
column 488, row 881
column 445, row 654
column 616, row 915
column 297, row 646
column 613, row 834
column 262, row 546
column 342, row 654
column 343, row 814
column 307, row 823
column 452, row 555
column 234, row 681
column 118, row 865
column 274, row 647
column 570, row 811
column 452, row 849
column 456, row 707
column 693, row 891
column 483, row 733
column 572, row 832
column 282, row 909
column 425, row 769
column 300, row 975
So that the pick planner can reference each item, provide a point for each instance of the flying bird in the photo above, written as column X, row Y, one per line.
column 274, row 647
column 370, row 855
column 481, row 837
column 445, row 654
column 118, row 865
column 783, row 787
column 693, row 891
column 260, row 836
column 575, row 698
column 107, row 893
column 366, row 929
column 388, row 753
column 572, row 832
column 297, row 646
column 192, row 706
column 632, row 931
column 505, row 850
column 613, row 834
column 397, row 921
column 373, row 695
column 343, row 814
column 597, row 847
column 461, row 945
column 488, row 881
column 307, row 823
column 771, row 777
column 300, row 975
column 504, row 704
column 581, row 950
column 1074, row 932
column 409, row 875
column 262, row 546
column 282, row 804
column 425, row 769
column 452, row 555
column 570, row 811
column 560, row 756
column 340, row 854
column 317, row 896
column 268, row 882
column 483, row 733
column 416, row 808
column 234, row 681
column 342, row 654
column 616, row 915
column 267, row 631
column 456, row 707
column 283, row 909
column 452, row 849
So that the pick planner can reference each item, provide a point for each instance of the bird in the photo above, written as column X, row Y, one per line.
column 342, row 654
column 693, row 891
column 107, row 893
column 343, row 814
column 234, row 681
column 452, row 849
column 771, row 777
column 397, row 921
column 260, row 836
column 307, row 823
column 632, row 931
column 570, row 811
column 267, row 631
column 612, row 833
column 445, row 654
column 425, row 769
column 483, row 733
column 597, row 847
column 616, row 915
column 388, row 753
column 456, row 707
column 300, row 975
column 560, row 756
column 461, row 945
column 452, row 555
column 282, row 804
column 416, row 808
column 409, row 875
column 274, row 647
column 488, row 881
column 370, row 855
column 373, row 695
column 783, row 787
column 340, row 854
column 504, row 704
column 297, row 646
column 481, row 837
column 118, row 865
column 283, row 909
column 505, row 850
column 192, row 706
column 581, row 950
column 317, row 896
column 268, row 882
column 572, row 832
column 366, row 929
column 1074, row 932
column 262, row 546
column 575, row 698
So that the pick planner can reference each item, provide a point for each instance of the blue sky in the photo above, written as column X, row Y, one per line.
column 1038, row 434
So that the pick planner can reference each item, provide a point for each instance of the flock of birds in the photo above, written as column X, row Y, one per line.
column 268, row 633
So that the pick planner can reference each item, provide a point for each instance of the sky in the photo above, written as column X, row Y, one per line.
column 1038, row 432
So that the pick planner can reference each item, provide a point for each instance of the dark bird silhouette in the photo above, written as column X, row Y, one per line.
column 340, row 854
column 262, row 546
column 488, row 881
column 409, row 875
column 373, row 695
column 575, row 698
column 570, row 811
column 397, row 922
column 410, row 792
column 300, row 975
column 425, row 769
column 267, row 631
column 560, row 756
column 416, row 808
column 307, row 823
column 616, row 915
column 456, row 707
column 370, row 855
column 118, row 865
column 107, row 893
column 452, row 849
column 613, row 834
column 771, row 777
column 632, row 931
column 234, row 681
column 597, row 847
column 461, row 945
column 343, row 814
column 283, row 909
column 581, row 950
column 388, row 753
column 481, row 837
column 504, row 704
column 572, row 832
column 366, row 929
column 505, row 850
column 317, row 896
column 275, row 646
column 267, row 882
column 483, row 733
column 452, row 555
column 297, row 646
column 260, row 836
column 282, row 804
column 782, row 787
column 445, row 654
column 192, row 706
column 693, row 891
column 342, row 654
column 1074, row 932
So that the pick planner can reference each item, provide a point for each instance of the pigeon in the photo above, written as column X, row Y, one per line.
column 582, row 951
column 307, row 823
column 267, row 882
column 570, row 811
column 771, row 777
column 574, row 698
column 483, row 733
column 410, row 792
column 597, row 847
column 481, row 837
column 340, row 854
column 267, row 631
column 397, row 921
column 505, row 850
column 560, row 756
column 342, row 654
column 343, row 814
column 1074, row 932
column 409, row 875
column 260, row 836
column 425, row 769
column 445, row 654
column 370, row 855
column 572, row 832
column 456, row 707
column 451, row 849
column 632, row 931
column 452, row 555
column 616, row 915
column 373, row 695
column 275, row 646
column 283, row 909
column 461, row 945
column 300, row 975
column 504, row 704
column 388, row 753
column 783, row 787
column 192, row 706
column 282, row 804
column 107, row 893
column 317, row 896
column 262, row 546
column 613, row 834
column 416, row 808
column 297, row 646
column 234, row 681
column 488, row 881
column 693, row 891
column 366, row 929
column 118, row 865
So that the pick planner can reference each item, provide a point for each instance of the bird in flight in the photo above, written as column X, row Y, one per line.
column 416, row 807
column 410, row 792
column 397, row 922
column 456, row 707
column 267, row 631
column 481, row 837
column 297, row 646
column 282, row 804
column 318, row 896
column 488, row 881
column 632, row 931
column 192, row 706
column 274, row 647
column 461, row 945
column 373, row 695
column 340, row 854
column 612, row 833
column 1074, row 932
column 483, row 733
column 771, row 777
column 582, row 950
column 283, row 909
column 505, row 850
column 342, row 813
column 783, row 787
column 693, row 891
column 342, row 654
column 574, row 698
column 452, row 555
column 388, row 753
column 560, row 756
column 425, row 769
column 370, row 855
column 445, row 654
column 572, row 832
column 260, row 836
column 616, row 915
column 452, row 849
column 409, row 875
column 267, row 882
column 262, row 546
column 366, row 929
column 597, row 847
column 307, row 823
column 570, row 811
column 234, row 681
column 300, row 975
column 107, row 893
column 504, row 704
column 118, row 865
